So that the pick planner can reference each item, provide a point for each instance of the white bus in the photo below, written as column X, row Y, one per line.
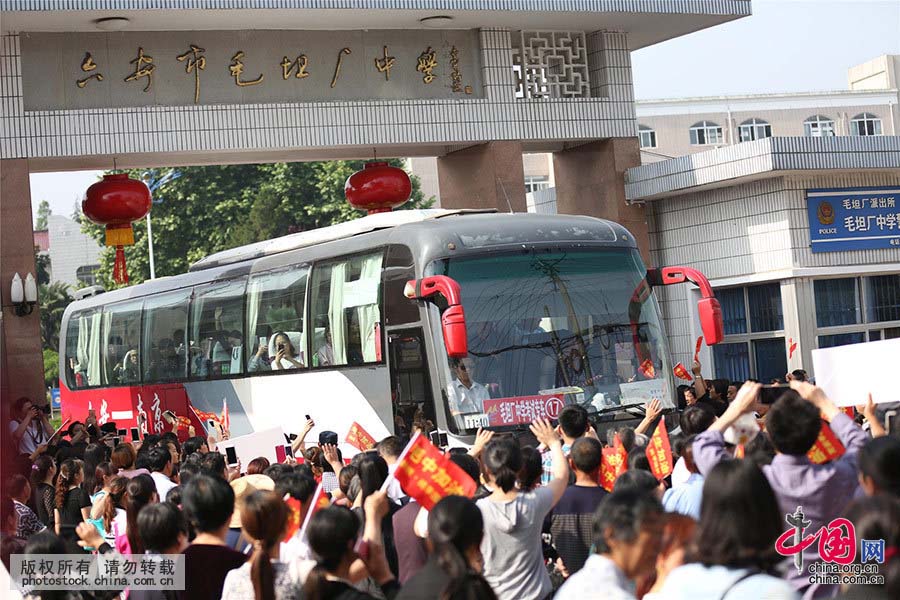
column 446, row 318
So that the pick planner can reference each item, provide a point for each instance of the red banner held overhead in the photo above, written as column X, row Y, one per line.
column 293, row 522
column 827, row 447
column 319, row 501
column 681, row 372
column 613, row 464
column 659, row 452
column 697, row 348
column 427, row 474
column 359, row 438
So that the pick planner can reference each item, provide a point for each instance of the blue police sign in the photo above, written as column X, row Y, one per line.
column 854, row 218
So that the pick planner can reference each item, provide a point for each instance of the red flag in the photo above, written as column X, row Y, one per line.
column 827, row 447
column 359, row 438
column 659, row 452
column 319, row 501
column 427, row 474
column 613, row 464
column 697, row 348
column 681, row 372
column 226, row 419
column 849, row 411
column 204, row 416
column 293, row 522
column 647, row 369
column 792, row 347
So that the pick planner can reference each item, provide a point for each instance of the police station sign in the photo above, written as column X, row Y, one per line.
column 854, row 218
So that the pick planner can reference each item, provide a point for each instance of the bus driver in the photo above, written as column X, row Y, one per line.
column 465, row 395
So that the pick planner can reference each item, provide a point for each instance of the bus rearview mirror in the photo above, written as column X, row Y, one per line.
column 453, row 319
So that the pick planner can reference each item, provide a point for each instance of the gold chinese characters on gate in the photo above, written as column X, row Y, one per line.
column 194, row 61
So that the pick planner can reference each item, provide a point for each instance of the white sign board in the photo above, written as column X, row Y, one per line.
column 849, row 373
column 254, row 445
column 641, row 392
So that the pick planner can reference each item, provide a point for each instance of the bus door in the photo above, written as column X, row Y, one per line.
column 411, row 394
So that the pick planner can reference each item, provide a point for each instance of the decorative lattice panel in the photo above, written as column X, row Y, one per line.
column 551, row 64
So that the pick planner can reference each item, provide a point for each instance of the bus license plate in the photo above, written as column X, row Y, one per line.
column 475, row 421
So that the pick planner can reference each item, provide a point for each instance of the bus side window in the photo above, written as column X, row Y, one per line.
column 399, row 268
column 346, row 310
column 82, row 352
column 217, row 330
column 165, row 341
column 276, row 331
column 121, row 343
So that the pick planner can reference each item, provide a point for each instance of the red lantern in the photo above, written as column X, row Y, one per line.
column 379, row 187
column 116, row 201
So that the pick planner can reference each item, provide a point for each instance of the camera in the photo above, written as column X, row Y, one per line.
column 281, row 347
column 43, row 409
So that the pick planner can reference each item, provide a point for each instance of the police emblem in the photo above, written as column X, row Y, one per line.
column 825, row 213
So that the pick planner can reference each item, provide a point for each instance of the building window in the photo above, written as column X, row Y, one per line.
column 734, row 312
column 841, row 339
column 818, row 126
column 732, row 361
column 647, row 137
column 765, row 307
column 751, row 314
column 837, row 302
column 706, row 133
column 87, row 274
column 534, row 184
column 883, row 298
column 754, row 129
column 865, row 124
column 771, row 359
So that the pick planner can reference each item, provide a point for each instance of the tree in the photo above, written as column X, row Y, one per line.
column 43, row 212
column 51, row 368
column 42, row 266
column 54, row 299
column 212, row 208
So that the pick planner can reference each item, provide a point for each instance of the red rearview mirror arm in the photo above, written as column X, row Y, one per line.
column 707, row 306
column 453, row 319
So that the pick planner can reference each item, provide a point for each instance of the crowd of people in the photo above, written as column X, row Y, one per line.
column 540, row 525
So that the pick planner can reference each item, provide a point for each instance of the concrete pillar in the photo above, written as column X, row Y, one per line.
column 488, row 175
column 21, row 362
column 590, row 180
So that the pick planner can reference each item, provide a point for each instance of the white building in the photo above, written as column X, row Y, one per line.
column 74, row 256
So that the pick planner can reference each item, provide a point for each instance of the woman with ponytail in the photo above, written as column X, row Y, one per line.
column 332, row 534
column 112, row 513
column 139, row 492
column 42, row 473
column 455, row 532
column 513, row 557
column 72, row 503
column 263, row 520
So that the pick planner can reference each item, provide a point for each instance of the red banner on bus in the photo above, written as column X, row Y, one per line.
column 522, row 409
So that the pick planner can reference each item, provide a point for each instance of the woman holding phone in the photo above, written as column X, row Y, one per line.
column 286, row 357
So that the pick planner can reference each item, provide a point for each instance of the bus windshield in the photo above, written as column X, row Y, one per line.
column 550, row 328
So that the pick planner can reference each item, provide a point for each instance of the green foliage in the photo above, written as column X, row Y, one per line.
column 42, row 266
column 213, row 208
column 51, row 368
column 43, row 212
column 53, row 300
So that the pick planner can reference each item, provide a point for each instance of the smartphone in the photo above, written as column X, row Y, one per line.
column 439, row 438
column 308, row 418
column 115, row 441
column 135, row 434
column 263, row 341
column 122, row 432
column 92, row 429
column 211, row 427
column 288, row 450
column 890, row 421
column 768, row 394
column 231, row 456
